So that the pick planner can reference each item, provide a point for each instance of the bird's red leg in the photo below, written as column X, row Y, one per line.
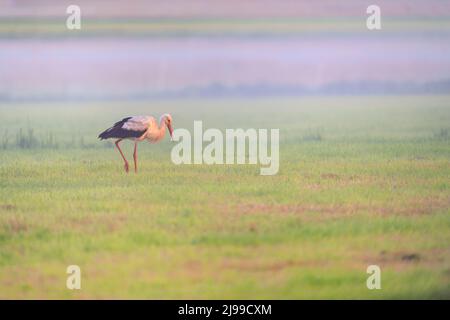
column 135, row 157
column 121, row 153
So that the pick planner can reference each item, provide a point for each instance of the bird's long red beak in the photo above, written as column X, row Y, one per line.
column 169, row 126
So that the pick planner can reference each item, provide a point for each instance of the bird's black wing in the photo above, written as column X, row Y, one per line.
column 116, row 131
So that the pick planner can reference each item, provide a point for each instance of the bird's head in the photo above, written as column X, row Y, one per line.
column 168, row 122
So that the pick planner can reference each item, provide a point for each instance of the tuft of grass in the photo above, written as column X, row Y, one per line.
column 442, row 134
column 26, row 140
column 5, row 139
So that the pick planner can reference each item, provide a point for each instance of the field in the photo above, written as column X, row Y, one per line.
column 362, row 181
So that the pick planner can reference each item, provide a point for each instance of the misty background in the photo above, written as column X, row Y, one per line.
column 174, row 49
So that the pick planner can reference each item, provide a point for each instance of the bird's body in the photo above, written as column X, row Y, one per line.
column 138, row 128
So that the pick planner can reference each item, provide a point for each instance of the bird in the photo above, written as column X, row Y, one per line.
column 137, row 129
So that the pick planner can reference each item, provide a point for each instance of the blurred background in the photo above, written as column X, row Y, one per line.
column 201, row 48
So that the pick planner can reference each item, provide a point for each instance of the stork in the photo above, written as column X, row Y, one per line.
column 138, row 128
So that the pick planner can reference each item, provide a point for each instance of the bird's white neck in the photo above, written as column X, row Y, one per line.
column 162, row 127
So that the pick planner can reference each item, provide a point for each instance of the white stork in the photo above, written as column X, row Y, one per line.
column 138, row 128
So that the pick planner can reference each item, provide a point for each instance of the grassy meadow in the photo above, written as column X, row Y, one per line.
column 362, row 181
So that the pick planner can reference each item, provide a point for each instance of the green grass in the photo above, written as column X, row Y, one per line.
column 362, row 180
